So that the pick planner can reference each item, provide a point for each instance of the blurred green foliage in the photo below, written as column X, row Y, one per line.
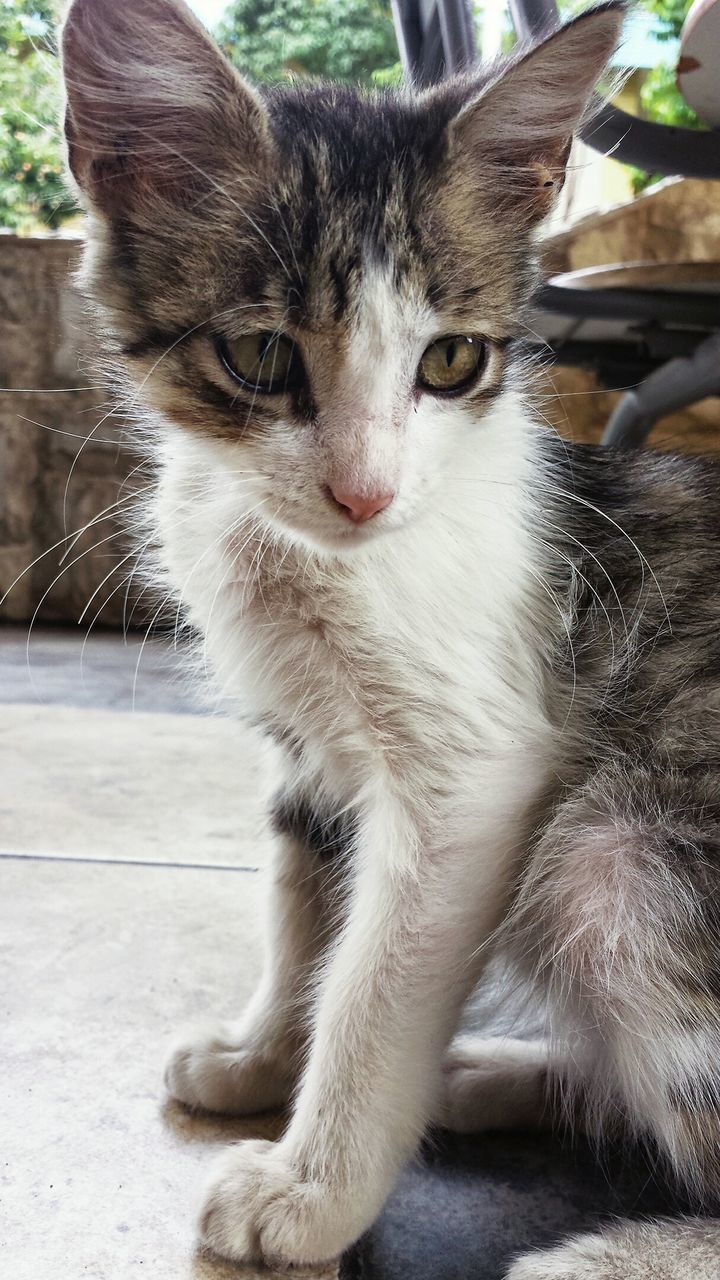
column 32, row 189
column 350, row 40
column 670, row 14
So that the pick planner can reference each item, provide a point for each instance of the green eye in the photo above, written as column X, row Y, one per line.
column 451, row 364
column 265, row 362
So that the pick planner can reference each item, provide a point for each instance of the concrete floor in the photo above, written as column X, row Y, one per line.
column 130, row 903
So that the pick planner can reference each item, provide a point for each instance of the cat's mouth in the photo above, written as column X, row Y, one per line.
column 323, row 523
column 329, row 534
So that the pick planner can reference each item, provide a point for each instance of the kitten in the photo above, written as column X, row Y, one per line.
column 492, row 660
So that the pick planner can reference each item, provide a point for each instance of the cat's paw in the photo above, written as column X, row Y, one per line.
column 258, row 1209
column 213, row 1068
column 492, row 1084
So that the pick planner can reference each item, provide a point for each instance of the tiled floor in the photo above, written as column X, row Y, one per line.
column 143, row 786
column 102, row 961
column 60, row 665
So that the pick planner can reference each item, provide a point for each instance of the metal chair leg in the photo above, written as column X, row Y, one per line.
column 676, row 385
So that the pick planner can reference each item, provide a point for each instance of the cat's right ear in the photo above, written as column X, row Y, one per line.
column 155, row 114
column 519, row 127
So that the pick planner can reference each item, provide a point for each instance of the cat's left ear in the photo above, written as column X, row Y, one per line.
column 155, row 114
column 520, row 126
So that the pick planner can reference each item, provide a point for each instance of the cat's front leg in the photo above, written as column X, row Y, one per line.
column 403, row 964
column 685, row 1249
column 250, row 1065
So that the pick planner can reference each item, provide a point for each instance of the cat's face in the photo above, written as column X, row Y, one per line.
column 335, row 336
column 321, row 289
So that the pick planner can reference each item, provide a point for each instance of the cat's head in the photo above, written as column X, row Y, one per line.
column 320, row 287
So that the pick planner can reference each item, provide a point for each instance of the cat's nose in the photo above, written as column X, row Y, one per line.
column 361, row 507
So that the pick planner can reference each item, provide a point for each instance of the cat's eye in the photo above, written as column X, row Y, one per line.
column 451, row 364
column 265, row 362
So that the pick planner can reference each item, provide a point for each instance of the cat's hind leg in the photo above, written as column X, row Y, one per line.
column 618, row 913
column 251, row 1065
column 494, row 1083
column 686, row 1249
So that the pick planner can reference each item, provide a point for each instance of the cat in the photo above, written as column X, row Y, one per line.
column 490, row 659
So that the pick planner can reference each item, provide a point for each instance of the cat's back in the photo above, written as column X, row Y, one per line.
column 648, row 517
column 641, row 531
column 657, row 490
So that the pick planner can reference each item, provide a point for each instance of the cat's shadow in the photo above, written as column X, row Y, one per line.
column 207, row 1266
column 211, row 1128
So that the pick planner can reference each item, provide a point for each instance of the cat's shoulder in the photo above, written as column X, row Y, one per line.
column 670, row 483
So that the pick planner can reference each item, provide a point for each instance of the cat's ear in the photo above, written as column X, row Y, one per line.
column 155, row 113
column 523, row 120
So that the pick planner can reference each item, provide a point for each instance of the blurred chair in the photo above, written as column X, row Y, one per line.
column 654, row 326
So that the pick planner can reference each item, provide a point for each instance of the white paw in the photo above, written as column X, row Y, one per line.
column 257, row 1209
column 214, row 1069
column 492, row 1084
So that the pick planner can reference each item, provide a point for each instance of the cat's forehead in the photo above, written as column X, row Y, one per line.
column 359, row 195
column 355, row 224
column 358, row 142
column 353, row 192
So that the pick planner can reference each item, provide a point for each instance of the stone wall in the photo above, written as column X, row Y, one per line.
column 62, row 461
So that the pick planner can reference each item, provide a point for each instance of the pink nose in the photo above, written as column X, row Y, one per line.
column 361, row 507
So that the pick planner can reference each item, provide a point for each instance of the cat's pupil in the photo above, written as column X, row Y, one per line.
column 450, row 354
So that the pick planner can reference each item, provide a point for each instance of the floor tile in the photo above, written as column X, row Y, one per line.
column 86, row 782
column 101, row 965
column 98, row 669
